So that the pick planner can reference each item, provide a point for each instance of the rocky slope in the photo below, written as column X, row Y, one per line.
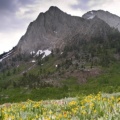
column 84, row 44
column 55, row 29
column 109, row 18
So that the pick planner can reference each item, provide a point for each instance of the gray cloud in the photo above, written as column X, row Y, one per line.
column 13, row 5
column 82, row 4
column 7, row 5
column 8, row 10
column 85, row 5
column 24, row 2
column 10, row 20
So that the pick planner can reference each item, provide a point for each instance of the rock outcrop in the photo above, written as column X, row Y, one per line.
column 111, row 19
column 55, row 29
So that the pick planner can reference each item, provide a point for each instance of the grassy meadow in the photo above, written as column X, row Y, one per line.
column 91, row 107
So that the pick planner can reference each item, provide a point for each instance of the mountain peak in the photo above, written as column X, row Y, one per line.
column 54, row 28
column 111, row 19
column 53, row 8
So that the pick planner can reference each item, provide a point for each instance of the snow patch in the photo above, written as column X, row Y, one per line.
column 56, row 66
column 4, row 57
column 55, row 31
column 32, row 52
column 91, row 12
column 39, row 52
column 45, row 52
column 33, row 61
column 61, row 53
column 91, row 17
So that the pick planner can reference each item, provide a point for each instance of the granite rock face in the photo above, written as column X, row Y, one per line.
column 55, row 29
column 111, row 19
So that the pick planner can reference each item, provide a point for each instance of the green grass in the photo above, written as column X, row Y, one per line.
column 91, row 107
column 108, row 82
column 47, row 66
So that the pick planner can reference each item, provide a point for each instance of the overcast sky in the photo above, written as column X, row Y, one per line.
column 15, row 15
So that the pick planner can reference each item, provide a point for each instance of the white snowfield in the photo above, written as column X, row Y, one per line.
column 7, row 55
column 39, row 52
column 32, row 52
column 44, row 52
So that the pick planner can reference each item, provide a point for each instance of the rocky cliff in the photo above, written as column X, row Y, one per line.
column 55, row 29
column 109, row 18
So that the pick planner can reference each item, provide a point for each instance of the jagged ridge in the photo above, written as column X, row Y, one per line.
column 55, row 29
column 109, row 18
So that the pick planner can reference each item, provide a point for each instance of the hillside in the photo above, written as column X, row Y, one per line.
column 61, row 56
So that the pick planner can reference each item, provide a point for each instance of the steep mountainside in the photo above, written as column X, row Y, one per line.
column 55, row 29
column 63, row 56
column 109, row 18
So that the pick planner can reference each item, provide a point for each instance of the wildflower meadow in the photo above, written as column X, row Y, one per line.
column 91, row 107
